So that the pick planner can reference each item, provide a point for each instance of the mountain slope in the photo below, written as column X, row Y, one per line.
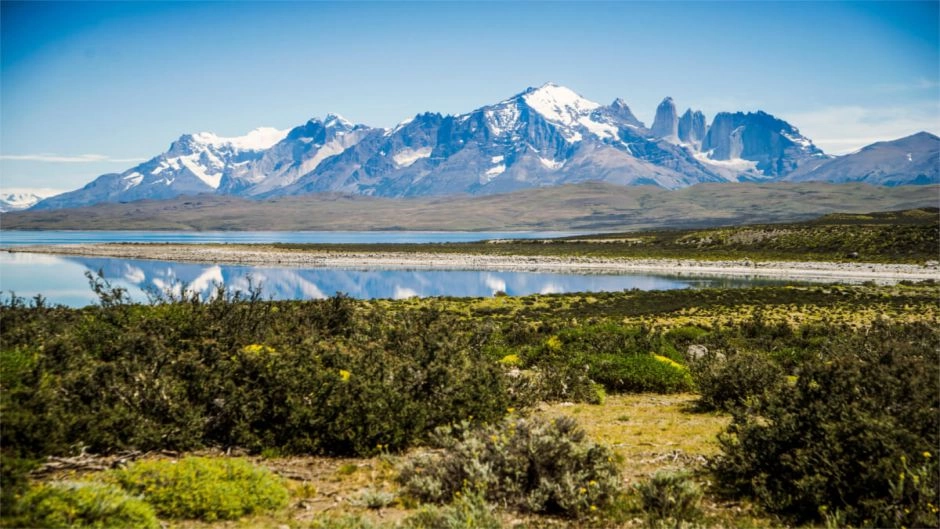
column 588, row 207
column 911, row 160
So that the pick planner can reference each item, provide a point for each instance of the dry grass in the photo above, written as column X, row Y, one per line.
column 651, row 432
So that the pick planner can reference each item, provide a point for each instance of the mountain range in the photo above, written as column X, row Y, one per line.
column 16, row 199
column 541, row 137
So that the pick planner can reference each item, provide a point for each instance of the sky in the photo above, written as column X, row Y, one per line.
column 93, row 88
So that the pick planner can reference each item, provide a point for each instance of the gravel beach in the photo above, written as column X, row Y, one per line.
column 263, row 256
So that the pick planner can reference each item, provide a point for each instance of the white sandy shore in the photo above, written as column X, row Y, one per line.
column 248, row 255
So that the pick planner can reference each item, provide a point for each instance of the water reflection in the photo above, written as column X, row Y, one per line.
column 62, row 280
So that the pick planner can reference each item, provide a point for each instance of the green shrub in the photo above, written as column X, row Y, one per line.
column 732, row 382
column 836, row 443
column 670, row 499
column 325, row 377
column 468, row 511
column 204, row 488
column 536, row 465
column 638, row 373
column 83, row 505
column 616, row 357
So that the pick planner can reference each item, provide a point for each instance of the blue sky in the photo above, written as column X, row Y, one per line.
column 90, row 88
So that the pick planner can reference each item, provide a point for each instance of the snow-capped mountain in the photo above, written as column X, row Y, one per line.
column 195, row 163
column 16, row 199
column 300, row 152
column 543, row 136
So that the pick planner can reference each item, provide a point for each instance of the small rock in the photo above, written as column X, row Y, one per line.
column 695, row 351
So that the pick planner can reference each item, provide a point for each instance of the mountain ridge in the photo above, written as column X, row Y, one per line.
column 543, row 136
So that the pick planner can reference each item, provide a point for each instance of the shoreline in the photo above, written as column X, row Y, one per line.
column 248, row 255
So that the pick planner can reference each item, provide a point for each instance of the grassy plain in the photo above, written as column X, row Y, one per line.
column 590, row 207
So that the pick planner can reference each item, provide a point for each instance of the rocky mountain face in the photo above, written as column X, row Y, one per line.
column 776, row 147
column 540, row 137
column 911, row 160
column 666, row 122
column 691, row 128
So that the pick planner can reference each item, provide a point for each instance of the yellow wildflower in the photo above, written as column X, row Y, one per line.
column 553, row 344
column 926, row 455
column 257, row 349
column 344, row 375
column 510, row 360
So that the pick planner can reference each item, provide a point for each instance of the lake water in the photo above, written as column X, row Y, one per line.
column 20, row 238
column 61, row 279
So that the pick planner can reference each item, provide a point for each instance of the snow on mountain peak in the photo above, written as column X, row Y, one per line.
column 331, row 120
column 558, row 103
column 16, row 198
column 564, row 106
column 256, row 140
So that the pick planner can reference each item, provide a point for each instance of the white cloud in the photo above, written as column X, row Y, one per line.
column 57, row 158
column 912, row 86
column 843, row 129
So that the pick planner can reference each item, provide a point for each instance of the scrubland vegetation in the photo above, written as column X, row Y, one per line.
column 773, row 406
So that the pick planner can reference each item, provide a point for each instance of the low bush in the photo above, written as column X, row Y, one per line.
column 616, row 357
column 468, row 511
column 727, row 383
column 638, row 373
column 536, row 465
column 845, row 441
column 670, row 500
column 204, row 488
column 77, row 505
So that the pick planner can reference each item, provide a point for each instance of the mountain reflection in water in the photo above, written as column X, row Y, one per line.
column 61, row 279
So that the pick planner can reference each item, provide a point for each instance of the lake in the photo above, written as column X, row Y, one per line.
column 20, row 237
column 61, row 279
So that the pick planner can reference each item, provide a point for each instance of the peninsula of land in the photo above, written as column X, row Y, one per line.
column 266, row 255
